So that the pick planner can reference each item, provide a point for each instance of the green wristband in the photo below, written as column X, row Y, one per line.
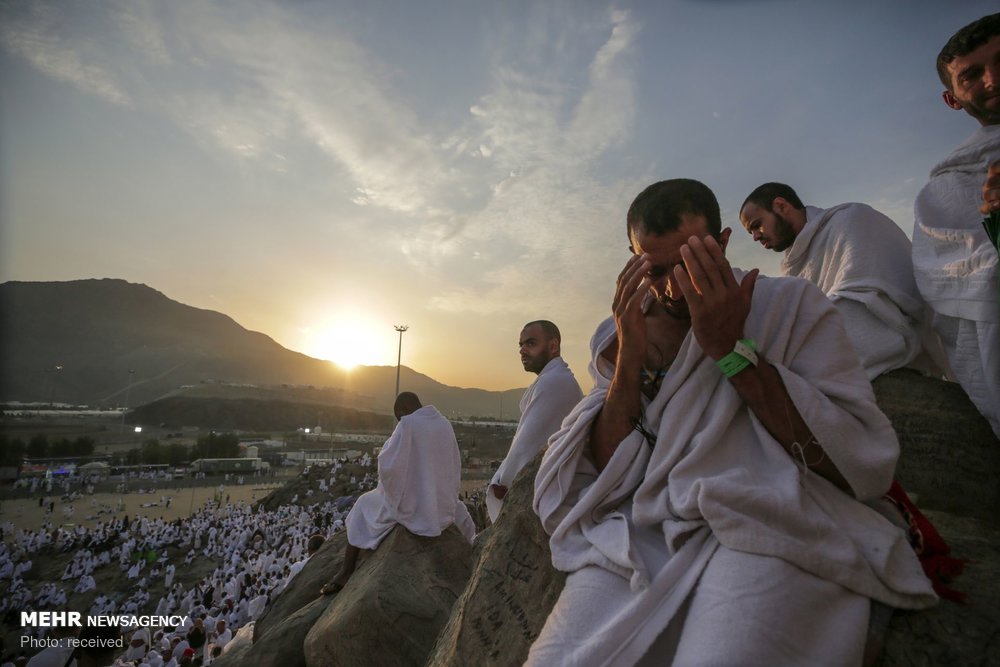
column 738, row 360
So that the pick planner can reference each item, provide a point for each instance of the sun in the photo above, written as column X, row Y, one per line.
column 349, row 341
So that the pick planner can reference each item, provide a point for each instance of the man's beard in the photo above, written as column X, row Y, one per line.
column 978, row 109
column 784, row 233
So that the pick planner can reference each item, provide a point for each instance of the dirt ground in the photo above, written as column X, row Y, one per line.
column 89, row 510
column 25, row 512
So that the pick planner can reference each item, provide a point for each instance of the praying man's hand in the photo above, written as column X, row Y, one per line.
column 630, row 291
column 719, row 306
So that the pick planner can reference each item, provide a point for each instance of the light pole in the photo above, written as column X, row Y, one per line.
column 399, row 356
column 128, row 390
column 52, row 387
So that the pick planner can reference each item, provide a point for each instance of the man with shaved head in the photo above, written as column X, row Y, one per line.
column 419, row 474
column 543, row 406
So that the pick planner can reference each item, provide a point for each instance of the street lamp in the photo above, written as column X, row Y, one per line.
column 128, row 390
column 52, row 387
column 399, row 356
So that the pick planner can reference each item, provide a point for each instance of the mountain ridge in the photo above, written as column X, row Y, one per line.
column 106, row 341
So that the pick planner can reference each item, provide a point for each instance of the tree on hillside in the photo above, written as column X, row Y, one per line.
column 38, row 447
column 176, row 453
column 216, row 446
column 133, row 456
column 81, row 446
column 11, row 451
column 151, row 452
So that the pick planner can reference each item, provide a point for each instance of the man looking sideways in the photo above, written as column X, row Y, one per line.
column 861, row 260
column 543, row 406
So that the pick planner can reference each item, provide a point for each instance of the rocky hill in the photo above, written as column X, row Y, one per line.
column 100, row 342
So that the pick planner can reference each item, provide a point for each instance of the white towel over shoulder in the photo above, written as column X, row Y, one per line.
column 716, row 476
column 543, row 406
column 419, row 477
column 862, row 261
column 956, row 268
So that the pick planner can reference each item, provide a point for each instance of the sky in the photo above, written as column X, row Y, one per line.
column 324, row 171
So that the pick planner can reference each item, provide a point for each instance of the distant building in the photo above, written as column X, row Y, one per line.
column 262, row 443
column 217, row 466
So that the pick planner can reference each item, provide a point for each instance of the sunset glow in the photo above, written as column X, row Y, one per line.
column 350, row 341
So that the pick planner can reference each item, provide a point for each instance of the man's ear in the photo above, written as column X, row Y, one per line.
column 724, row 238
column 553, row 347
column 950, row 100
column 780, row 206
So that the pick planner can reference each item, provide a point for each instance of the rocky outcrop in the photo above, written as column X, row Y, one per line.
column 952, row 633
column 395, row 604
column 297, row 490
column 393, row 607
column 512, row 589
column 950, row 458
column 282, row 645
column 950, row 463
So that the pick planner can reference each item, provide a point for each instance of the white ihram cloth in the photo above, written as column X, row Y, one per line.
column 656, row 517
column 862, row 261
column 956, row 268
column 543, row 406
column 419, row 475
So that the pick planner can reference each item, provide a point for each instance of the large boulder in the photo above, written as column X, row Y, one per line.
column 954, row 633
column 281, row 645
column 236, row 658
column 395, row 605
column 950, row 463
column 950, row 457
column 512, row 589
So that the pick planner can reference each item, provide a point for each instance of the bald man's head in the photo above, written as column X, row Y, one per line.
column 406, row 403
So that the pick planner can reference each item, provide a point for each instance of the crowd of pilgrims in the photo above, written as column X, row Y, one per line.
column 258, row 552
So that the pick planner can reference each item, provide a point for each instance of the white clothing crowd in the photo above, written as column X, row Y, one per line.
column 258, row 553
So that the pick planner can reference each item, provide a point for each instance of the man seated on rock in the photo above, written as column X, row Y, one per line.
column 419, row 478
column 861, row 260
column 543, row 406
column 707, row 498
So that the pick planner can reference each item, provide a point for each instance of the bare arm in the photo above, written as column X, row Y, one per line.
column 623, row 403
column 719, row 308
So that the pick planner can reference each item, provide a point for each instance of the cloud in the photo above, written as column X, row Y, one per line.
column 512, row 183
column 138, row 24
column 41, row 39
column 549, row 212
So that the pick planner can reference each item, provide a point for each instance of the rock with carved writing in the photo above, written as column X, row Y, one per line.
column 512, row 589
